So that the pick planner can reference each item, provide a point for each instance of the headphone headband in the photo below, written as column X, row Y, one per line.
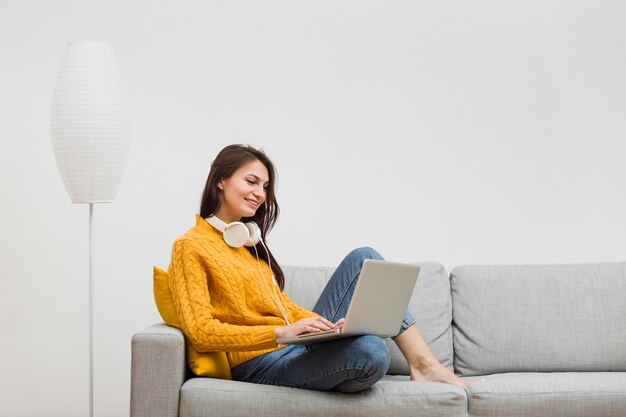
column 216, row 222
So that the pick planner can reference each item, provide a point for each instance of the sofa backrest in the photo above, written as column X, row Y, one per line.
column 430, row 304
column 539, row 318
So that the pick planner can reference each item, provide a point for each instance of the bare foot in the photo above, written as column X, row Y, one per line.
column 437, row 373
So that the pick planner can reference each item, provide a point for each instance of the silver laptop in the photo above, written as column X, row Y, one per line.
column 378, row 304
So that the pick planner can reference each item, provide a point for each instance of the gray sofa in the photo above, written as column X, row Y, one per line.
column 534, row 340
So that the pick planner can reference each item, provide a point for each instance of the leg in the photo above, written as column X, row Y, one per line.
column 422, row 363
column 335, row 298
column 347, row 365
column 333, row 305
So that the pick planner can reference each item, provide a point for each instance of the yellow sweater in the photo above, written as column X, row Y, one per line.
column 222, row 299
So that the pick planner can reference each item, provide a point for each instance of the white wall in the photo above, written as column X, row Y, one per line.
column 462, row 132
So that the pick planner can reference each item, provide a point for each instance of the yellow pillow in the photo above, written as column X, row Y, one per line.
column 209, row 364
column 163, row 298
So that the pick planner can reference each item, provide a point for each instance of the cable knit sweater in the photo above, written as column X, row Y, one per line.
column 222, row 299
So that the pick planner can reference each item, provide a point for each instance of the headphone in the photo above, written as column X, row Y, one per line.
column 237, row 234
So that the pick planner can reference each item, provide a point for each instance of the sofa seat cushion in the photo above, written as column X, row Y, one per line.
column 393, row 395
column 571, row 394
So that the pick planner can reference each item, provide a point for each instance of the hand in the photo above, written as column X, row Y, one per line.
column 310, row 325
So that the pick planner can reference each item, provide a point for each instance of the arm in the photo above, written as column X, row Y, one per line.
column 158, row 370
column 193, row 306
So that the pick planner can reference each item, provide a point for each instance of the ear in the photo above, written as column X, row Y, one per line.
column 220, row 185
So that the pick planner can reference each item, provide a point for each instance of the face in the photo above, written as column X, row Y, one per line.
column 243, row 192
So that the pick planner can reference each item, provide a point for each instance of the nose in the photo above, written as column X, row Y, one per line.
column 259, row 192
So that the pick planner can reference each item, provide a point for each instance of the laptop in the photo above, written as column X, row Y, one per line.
column 378, row 304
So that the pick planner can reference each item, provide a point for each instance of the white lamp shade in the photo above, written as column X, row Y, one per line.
column 90, row 123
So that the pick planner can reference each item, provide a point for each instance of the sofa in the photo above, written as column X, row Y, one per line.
column 533, row 340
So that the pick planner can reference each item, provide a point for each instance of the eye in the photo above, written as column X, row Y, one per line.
column 250, row 182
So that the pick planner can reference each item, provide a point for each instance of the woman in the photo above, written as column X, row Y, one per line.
column 229, row 297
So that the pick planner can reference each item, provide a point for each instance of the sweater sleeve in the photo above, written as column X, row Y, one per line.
column 188, row 285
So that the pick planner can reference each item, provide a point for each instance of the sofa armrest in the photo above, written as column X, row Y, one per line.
column 158, row 370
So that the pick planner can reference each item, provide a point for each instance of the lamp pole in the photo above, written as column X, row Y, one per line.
column 90, row 309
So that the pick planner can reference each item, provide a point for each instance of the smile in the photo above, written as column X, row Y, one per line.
column 252, row 202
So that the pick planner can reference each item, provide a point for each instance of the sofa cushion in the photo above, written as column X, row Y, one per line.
column 304, row 285
column 539, row 318
column 203, row 397
column 163, row 297
column 601, row 394
column 430, row 304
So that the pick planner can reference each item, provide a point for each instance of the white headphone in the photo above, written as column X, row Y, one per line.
column 237, row 234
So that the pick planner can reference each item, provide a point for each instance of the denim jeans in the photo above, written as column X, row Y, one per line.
column 348, row 364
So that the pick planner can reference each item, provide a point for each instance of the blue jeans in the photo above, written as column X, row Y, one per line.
column 349, row 364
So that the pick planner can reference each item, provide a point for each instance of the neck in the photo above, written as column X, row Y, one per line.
column 226, row 218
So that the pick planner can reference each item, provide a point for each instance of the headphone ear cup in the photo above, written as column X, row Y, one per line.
column 236, row 234
column 254, row 233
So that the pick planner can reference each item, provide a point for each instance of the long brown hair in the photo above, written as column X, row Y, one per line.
column 225, row 164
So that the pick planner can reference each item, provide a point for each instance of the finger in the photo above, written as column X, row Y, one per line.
column 327, row 322
column 339, row 323
column 320, row 325
column 312, row 329
column 305, row 328
column 317, row 322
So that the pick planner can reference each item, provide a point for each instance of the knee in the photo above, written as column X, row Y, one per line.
column 375, row 354
column 365, row 253
column 370, row 362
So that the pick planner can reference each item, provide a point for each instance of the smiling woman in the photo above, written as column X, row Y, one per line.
column 229, row 298
column 232, row 190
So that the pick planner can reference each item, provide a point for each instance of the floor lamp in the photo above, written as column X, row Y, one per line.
column 90, row 129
